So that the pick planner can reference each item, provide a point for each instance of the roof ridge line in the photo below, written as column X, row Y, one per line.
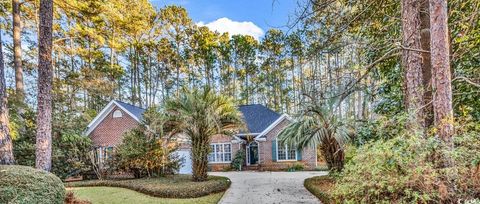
column 130, row 104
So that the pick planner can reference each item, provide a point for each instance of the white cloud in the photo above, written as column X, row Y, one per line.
column 223, row 25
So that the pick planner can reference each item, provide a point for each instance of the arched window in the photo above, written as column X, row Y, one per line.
column 117, row 114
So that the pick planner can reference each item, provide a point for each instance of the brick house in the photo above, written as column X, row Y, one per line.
column 263, row 151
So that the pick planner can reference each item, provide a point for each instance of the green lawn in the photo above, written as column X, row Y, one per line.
column 177, row 186
column 113, row 195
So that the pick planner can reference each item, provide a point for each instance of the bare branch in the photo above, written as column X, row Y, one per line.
column 467, row 80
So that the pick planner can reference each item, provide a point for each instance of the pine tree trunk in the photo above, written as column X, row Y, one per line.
column 17, row 50
column 412, row 62
column 6, row 147
column 442, row 80
column 44, row 100
column 426, row 63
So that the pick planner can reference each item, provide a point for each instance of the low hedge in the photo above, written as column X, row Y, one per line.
column 320, row 186
column 177, row 186
column 23, row 184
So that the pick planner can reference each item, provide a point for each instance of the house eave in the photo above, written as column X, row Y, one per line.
column 271, row 126
column 101, row 116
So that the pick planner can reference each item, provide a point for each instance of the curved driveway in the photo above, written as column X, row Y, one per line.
column 250, row 187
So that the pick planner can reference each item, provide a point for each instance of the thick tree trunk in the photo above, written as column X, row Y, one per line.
column 6, row 147
column 442, row 79
column 17, row 50
column 426, row 63
column 200, row 150
column 333, row 154
column 44, row 100
column 412, row 62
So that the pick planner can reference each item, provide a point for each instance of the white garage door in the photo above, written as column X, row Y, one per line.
column 186, row 167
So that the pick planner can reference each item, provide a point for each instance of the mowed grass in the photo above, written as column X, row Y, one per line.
column 114, row 195
column 177, row 186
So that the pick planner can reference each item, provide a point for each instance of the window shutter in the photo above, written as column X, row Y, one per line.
column 299, row 155
column 274, row 150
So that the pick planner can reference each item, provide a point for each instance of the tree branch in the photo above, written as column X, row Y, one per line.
column 467, row 80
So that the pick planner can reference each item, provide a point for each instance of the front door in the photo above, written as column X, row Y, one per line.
column 252, row 153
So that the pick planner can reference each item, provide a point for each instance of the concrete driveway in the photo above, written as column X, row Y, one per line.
column 268, row 187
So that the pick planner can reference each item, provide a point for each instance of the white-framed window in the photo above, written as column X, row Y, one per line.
column 286, row 153
column 220, row 153
column 102, row 154
column 117, row 114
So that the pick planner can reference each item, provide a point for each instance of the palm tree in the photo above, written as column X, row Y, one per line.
column 318, row 126
column 201, row 114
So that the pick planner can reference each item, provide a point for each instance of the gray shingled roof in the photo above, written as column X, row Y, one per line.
column 135, row 110
column 258, row 117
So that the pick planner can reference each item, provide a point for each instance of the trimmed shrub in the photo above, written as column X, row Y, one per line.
column 178, row 186
column 238, row 160
column 22, row 184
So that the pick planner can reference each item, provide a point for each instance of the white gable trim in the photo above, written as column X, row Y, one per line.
column 273, row 125
column 101, row 116
column 236, row 140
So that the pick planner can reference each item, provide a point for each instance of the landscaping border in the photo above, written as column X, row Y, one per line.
column 214, row 184
column 311, row 185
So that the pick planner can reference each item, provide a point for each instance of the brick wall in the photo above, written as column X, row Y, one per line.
column 265, row 153
column 110, row 131
column 235, row 148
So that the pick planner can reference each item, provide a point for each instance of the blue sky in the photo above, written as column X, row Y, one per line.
column 241, row 16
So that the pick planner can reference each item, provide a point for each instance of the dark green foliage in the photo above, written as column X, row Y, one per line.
column 382, row 128
column 178, row 186
column 238, row 160
column 144, row 156
column 70, row 155
column 69, row 150
column 22, row 184
column 296, row 167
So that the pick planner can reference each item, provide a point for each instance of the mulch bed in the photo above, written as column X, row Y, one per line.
column 320, row 186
